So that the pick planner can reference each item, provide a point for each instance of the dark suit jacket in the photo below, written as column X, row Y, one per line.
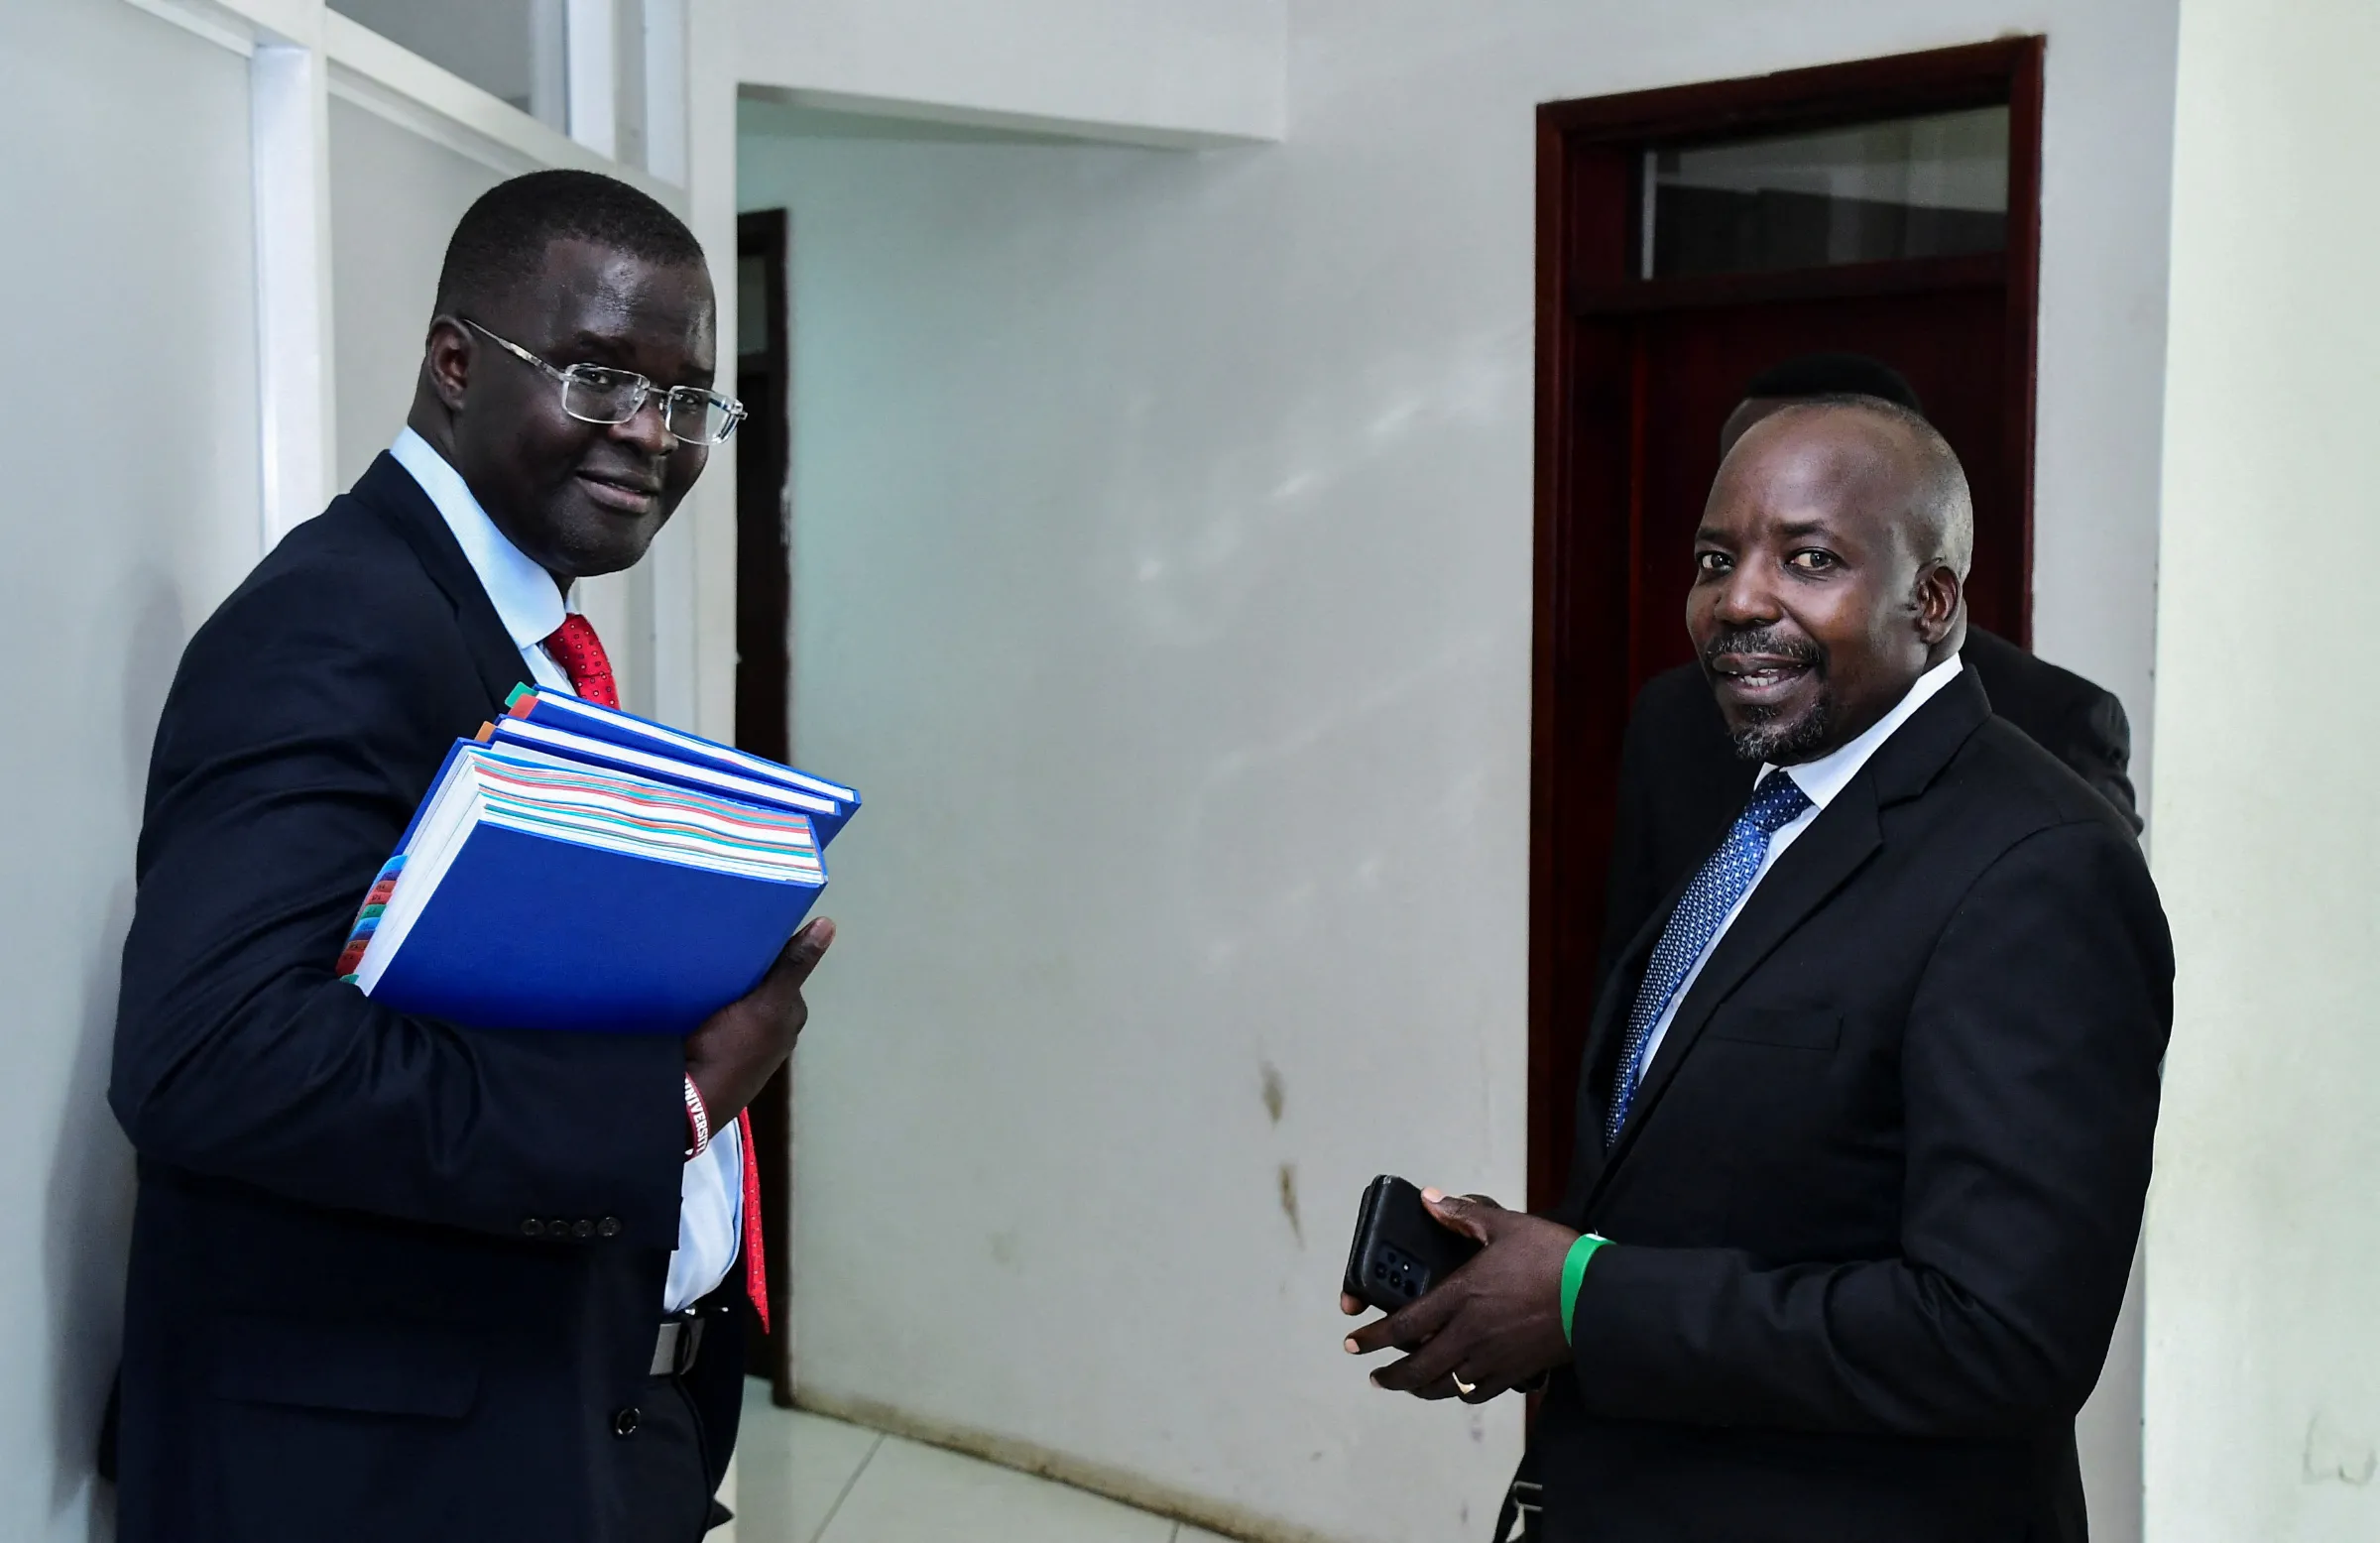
column 1681, row 782
column 1875, row 1204
column 390, row 1279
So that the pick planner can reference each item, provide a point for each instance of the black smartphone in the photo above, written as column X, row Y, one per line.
column 1400, row 1251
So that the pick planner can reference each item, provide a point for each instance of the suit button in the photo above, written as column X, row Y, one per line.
column 582, row 1227
column 557, row 1228
column 624, row 1422
column 609, row 1227
column 532, row 1228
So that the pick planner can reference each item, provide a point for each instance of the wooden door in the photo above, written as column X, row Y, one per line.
column 763, row 687
column 1637, row 369
column 1694, row 363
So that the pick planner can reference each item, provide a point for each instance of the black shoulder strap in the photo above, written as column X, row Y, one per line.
column 1516, row 1521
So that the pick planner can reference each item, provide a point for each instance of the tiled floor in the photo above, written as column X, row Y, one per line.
column 802, row 1479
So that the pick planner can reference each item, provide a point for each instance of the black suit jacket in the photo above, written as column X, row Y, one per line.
column 390, row 1279
column 1876, row 1202
column 1681, row 782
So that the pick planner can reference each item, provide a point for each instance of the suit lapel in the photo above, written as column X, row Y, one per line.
column 1837, row 844
column 390, row 491
column 1833, row 849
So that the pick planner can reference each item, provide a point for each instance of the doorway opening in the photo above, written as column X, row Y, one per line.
column 765, row 690
column 1689, row 238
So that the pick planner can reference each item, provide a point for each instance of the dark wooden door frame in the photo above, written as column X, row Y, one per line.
column 763, row 712
column 763, row 572
column 1590, row 446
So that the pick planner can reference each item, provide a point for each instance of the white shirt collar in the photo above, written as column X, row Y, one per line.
column 525, row 596
column 1831, row 773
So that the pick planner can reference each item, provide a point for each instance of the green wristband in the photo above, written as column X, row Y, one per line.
column 1574, row 1272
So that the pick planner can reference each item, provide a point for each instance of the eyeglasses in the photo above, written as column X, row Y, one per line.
column 598, row 394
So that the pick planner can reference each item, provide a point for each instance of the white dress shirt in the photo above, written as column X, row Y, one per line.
column 710, row 1212
column 1820, row 781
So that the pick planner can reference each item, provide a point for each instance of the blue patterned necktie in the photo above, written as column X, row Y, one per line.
column 1776, row 803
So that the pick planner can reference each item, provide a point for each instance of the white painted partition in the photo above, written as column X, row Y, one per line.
column 1163, row 535
column 132, row 508
column 2263, row 1398
column 170, row 197
column 393, row 198
column 1154, row 71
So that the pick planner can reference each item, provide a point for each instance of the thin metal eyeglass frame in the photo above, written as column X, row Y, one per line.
column 736, row 411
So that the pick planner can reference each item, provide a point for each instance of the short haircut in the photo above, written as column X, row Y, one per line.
column 501, row 240
column 1835, row 375
column 1941, row 498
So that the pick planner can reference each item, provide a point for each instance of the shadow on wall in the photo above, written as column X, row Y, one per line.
column 90, row 1188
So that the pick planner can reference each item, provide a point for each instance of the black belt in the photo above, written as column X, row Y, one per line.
column 674, row 1349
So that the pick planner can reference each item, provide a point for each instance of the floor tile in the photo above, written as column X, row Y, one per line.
column 793, row 1470
column 914, row 1493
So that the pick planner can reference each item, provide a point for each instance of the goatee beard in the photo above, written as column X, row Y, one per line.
column 1784, row 743
column 1767, row 737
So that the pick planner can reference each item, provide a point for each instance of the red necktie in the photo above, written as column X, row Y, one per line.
column 579, row 651
column 576, row 648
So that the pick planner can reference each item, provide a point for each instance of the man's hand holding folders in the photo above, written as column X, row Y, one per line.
column 740, row 1047
column 1490, row 1326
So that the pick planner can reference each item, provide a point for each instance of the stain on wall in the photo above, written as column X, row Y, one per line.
column 2335, row 1453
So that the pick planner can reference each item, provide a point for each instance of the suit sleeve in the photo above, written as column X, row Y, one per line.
column 1630, row 887
column 2030, row 1084
column 239, row 1055
column 2101, row 751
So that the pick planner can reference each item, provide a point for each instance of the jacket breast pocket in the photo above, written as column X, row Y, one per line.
column 422, row 1369
column 1792, row 1029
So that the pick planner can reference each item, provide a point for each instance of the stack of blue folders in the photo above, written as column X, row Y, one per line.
column 579, row 867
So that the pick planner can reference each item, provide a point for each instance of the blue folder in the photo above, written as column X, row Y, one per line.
column 561, row 885
column 651, row 759
column 625, row 728
column 527, row 931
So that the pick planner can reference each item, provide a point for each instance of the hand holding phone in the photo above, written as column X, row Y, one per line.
column 1504, row 1329
column 1400, row 1251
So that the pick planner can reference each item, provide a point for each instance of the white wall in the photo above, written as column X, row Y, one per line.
column 394, row 200
column 1162, row 545
column 688, row 583
column 132, row 186
column 492, row 44
column 2264, row 1237
column 1158, row 70
column 132, row 509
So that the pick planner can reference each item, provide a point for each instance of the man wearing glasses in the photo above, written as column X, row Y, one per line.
column 393, row 1279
